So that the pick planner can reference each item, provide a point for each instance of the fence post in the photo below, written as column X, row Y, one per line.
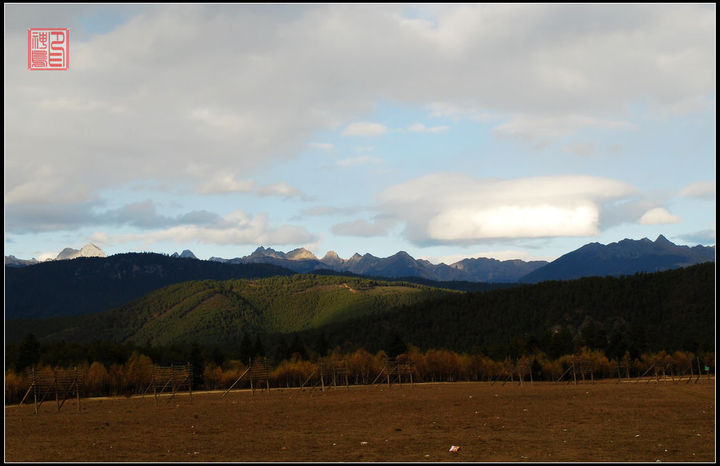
column 77, row 388
column 190, row 380
column 34, row 382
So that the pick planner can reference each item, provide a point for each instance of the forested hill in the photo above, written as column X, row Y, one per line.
column 668, row 310
column 212, row 312
column 458, row 285
column 93, row 284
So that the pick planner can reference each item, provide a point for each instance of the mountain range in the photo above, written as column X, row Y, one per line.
column 93, row 284
column 622, row 258
column 89, row 250
column 625, row 257
column 398, row 265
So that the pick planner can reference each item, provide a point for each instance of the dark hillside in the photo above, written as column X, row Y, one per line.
column 668, row 310
column 93, row 284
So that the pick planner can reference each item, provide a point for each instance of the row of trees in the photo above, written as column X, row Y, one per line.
column 133, row 376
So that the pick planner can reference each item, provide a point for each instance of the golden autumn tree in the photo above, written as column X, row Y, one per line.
column 97, row 379
column 138, row 371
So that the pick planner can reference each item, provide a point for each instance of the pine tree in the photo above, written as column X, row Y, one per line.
column 321, row 346
column 246, row 348
column 28, row 353
column 258, row 348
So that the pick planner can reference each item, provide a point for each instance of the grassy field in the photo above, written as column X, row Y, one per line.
column 533, row 422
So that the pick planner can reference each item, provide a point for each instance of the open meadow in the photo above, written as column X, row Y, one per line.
column 604, row 421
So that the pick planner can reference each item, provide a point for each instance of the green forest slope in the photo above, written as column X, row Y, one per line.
column 218, row 312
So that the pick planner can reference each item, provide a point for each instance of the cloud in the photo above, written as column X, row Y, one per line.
column 541, row 130
column 33, row 217
column 364, row 129
column 236, row 228
column 582, row 149
column 226, row 183
column 379, row 227
column 322, row 210
column 699, row 190
column 700, row 237
column 145, row 215
column 510, row 221
column 451, row 208
column 658, row 216
column 421, row 128
column 144, row 100
column 458, row 112
column 322, row 145
column 283, row 190
column 361, row 160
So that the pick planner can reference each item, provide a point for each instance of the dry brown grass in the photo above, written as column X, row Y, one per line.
column 539, row 422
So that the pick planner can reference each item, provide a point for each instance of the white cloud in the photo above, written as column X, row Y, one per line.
column 658, row 216
column 362, row 160
column 243, row 86
column 700, row 237
column 421, row 128
column 540, row 130
column 323, row 210
column 226, row 183
column 100, row 238
column 237, row 228
column 283, row 190
column 322, row 146
column 364, row 129
column 457, row 208
column 458, row 112
column 221, row 119
column 699, row 190
column 514, row 221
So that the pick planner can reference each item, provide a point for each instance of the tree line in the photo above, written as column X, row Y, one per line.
column 113, row 375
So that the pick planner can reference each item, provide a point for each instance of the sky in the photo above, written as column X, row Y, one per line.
column 446, row 131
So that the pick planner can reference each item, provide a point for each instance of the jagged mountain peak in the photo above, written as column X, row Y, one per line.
column 89, row 250
column 662, row 240
column 267, row 252
column 402, row 254
column 332, row 258
column 300, row 254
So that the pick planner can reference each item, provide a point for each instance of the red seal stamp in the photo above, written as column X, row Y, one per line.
column 48, row 48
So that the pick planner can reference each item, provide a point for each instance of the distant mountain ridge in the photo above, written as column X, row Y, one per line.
column 624, row 257
column 593, row 259
column 12, row 261
column 92, row 284
column 89, row 250
column 398, row 265
column 186, row 254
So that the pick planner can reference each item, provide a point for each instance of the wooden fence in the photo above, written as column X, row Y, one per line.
column 61, row 382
